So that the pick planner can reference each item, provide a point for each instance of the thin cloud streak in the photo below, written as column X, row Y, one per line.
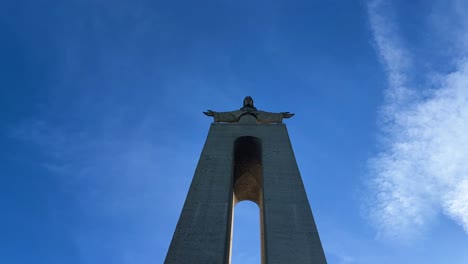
column 390, row 48
column 422, row 169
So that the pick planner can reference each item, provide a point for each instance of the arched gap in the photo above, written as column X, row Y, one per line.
column 247, row 180
column 246, row 245
column 247, row 186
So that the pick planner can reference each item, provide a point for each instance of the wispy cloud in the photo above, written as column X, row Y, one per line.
column 422, row 169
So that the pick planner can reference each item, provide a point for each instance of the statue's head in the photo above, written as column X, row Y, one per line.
column 248, row 101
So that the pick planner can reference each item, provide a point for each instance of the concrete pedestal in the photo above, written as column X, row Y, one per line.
column 246, row 161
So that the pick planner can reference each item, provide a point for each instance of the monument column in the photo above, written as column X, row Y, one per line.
column 291, row 235
column 203, row 233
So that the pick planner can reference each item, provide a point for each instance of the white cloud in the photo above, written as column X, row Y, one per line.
column 393, row 56
column 423, row 168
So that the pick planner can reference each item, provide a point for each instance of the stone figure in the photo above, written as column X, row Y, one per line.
column 248, row 109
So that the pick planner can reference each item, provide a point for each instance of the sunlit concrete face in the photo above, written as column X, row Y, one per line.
column 246, row 161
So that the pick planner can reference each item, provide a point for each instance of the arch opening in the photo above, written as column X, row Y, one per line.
column 247, row 185
column 246, row 245
column 247, row 178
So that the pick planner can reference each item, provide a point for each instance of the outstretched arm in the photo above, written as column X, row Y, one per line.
column 287, row 114
column 228, row 117
column 209, row 113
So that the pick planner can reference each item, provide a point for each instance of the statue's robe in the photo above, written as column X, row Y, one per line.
column 261, row 116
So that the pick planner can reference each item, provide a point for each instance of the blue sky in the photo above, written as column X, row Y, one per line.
column 101, row 124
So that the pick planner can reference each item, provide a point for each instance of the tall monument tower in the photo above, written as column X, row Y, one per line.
column 247, row 156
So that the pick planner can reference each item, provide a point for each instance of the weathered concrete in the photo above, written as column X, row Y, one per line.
column 246, row 161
